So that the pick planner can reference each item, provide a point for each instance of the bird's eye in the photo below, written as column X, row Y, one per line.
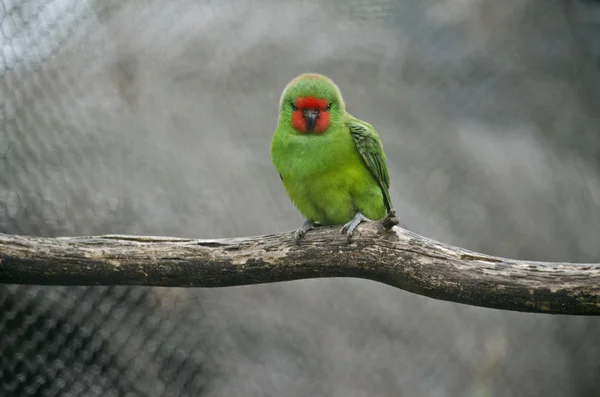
column 328, row 107
column 294, row 107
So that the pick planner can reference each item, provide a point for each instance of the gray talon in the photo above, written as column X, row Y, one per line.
column 349, row 227
column 306, row 226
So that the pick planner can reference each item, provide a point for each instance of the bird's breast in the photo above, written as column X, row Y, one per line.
column 309, row 156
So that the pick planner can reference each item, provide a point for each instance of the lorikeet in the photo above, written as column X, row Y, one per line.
column 332, row 164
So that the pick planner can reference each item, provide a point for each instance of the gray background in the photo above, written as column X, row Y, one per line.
column 155, row 117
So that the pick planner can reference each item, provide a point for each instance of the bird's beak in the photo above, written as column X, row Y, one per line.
column 310, row 118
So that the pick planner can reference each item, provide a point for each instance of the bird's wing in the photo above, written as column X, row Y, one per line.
column 370, row 148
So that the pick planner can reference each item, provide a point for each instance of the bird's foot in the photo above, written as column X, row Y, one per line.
column 306, row 226
column 349, row 227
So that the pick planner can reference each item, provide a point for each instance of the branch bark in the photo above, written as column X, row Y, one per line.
column 389, row 255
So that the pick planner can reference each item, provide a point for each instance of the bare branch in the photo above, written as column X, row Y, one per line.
column 393, row 256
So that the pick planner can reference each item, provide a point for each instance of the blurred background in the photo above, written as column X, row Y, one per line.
column 155, row 117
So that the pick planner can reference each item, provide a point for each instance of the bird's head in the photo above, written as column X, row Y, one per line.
column 311, row 103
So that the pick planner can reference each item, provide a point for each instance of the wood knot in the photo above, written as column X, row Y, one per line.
column 390, row 220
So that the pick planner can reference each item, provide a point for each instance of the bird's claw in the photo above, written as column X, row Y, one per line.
column 306, row 226
column 349, row 227
column 298, row 234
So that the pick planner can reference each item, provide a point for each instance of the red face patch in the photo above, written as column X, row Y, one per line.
column 303, row 104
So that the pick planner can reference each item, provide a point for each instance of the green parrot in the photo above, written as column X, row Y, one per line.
column 332, row 164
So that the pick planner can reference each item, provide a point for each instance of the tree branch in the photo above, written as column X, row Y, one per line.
column 389, row 255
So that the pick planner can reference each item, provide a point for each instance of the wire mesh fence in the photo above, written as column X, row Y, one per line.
column 151, row 117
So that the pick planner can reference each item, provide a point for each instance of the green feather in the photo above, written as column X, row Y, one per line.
column 369, row 146
column 333, row 175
